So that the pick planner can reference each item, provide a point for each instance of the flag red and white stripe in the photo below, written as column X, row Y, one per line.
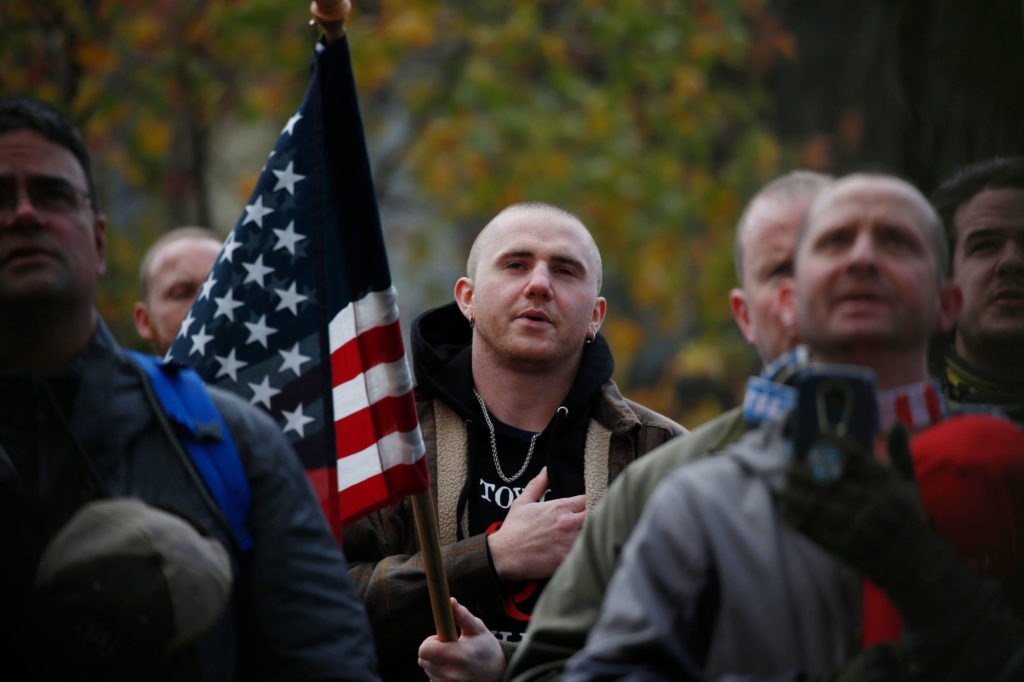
column 380, row 451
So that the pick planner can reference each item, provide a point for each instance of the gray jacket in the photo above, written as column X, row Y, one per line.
column 293, row 612
column 712, row 583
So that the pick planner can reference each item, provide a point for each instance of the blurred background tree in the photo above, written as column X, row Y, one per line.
column 652, row 120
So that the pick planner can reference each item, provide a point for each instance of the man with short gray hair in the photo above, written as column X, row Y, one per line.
column 713, row 584
column 170, row 276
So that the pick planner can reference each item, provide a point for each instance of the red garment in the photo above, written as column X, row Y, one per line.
column 970, row 474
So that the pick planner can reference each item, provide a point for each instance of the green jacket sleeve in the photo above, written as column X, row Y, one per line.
column 571, row 602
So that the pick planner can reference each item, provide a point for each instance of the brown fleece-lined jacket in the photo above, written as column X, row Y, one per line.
column 383, row 551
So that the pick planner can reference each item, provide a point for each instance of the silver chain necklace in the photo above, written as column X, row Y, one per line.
column 494, row 445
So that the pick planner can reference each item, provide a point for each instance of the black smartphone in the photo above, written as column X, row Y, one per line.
column 836, row 414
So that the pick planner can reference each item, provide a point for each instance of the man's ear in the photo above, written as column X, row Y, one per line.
column 142, row 323
column 99, row 230
column 464, row 296
column 741, row 313
column 597, row 317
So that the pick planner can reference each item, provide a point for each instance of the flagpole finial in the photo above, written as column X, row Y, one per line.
column 330, row 15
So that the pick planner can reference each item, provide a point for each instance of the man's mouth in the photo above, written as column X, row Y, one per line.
column 859, row 297
column 858, row 302
column 534, row 316
column 1012, row 295
column 20, row 253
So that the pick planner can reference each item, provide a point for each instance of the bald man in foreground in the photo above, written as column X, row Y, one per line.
column 713, row 584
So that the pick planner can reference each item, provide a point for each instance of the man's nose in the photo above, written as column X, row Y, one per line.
column 1012, row 257
column 17, row 208
column 863, row 251
column 539, row 283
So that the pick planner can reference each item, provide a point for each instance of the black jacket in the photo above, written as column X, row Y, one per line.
column 93, row 432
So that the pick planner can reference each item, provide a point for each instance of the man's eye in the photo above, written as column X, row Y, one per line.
column 180, row 293
column 832, row 241
column 982, row 247
column 54, row 196
column 8, row 196
column 899, row 237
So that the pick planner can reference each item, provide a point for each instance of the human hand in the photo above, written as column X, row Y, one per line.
column 957, row 625
column 331, row 10
column 870, row 517
column 331, row 15
column 476, row 656
column 536, row 536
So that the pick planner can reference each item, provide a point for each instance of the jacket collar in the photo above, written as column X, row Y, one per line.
column 441, row 341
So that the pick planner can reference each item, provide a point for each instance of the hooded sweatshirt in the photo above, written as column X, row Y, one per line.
column 442, row 362
column 585, row 446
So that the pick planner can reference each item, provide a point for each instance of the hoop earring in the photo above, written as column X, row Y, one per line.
column 589, row 340
column 472, row 321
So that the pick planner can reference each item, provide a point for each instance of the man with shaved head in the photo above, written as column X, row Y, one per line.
column 524, row 430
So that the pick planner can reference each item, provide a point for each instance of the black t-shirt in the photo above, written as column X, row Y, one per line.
column 489, row 496
column 442, row 360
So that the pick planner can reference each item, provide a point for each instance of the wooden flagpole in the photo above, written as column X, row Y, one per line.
column 433, row 565
column 330, row 15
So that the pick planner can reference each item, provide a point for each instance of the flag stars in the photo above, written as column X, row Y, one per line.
column 226, row 305
column 290, row 299
column 230, row 246
column 263, row 168
column 208, row 284
column 229, row 365
column 262, row 392
column 287, row 238
column 256, row 271
column 293, row 360
column 289, row 127
column 185, row 324
column 199, row 341
column 287, row 178
column 255, row 212
column 259, row 331
column 296, row 421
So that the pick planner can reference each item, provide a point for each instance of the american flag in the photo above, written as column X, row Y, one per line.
column 299, row 315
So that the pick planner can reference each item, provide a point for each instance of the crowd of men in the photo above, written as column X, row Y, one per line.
column 584, row 536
